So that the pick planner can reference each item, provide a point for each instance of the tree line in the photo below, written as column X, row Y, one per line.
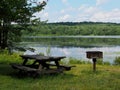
column 73, row 28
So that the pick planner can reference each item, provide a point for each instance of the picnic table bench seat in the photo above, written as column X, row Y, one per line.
column 23, row 68
column 29, row 68
column 65, row 67
column 33, row 71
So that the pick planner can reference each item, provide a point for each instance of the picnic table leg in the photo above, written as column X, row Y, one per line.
column 57, row 64
column 60, row 70
column 44, row 65
column 25, row 61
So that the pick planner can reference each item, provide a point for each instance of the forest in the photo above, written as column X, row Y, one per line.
column 72, row 28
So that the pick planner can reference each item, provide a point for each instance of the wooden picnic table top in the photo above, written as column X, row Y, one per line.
column 29, row 56
column 41, row 58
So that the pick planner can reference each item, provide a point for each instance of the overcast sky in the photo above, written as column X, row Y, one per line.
column 81, row 10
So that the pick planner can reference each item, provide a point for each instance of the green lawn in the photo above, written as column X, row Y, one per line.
column 80, row 77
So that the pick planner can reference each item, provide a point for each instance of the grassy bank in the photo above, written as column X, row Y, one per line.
column 81, row 77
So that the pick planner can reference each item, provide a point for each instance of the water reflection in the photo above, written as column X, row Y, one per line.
column 76, row 46
column 74, row 41
column 109, row 53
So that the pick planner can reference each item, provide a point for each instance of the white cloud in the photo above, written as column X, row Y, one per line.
column 95, row 14
column 64, row 1
column 100, row 2
column 90, row 10
column 86, row 14
column 83, row 13
column 42, row 15
column 62, row 11
column 82, row 7
column 112, row 16
column 68, row 10
column 45, row 14
column 64, row 18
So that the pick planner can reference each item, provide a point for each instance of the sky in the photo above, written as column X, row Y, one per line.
column 81, row 10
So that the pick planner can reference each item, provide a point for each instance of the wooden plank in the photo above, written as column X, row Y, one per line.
column 23, row 68
column 49, row 71
column 29, row 56
column 67, row 68
column 63, row 66
column 48, row 58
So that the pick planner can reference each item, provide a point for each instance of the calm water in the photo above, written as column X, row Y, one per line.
column 75, row 46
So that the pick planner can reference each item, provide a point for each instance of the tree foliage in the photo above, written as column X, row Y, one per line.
column 15, row 15
column 82, row 28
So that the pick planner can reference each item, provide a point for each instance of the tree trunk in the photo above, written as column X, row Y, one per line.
column 3, row 37
column 0, row 36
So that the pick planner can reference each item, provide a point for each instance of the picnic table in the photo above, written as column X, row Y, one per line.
column 40, row 65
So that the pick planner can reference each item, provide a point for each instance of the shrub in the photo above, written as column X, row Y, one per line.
column 100, row 61
column 77, row 61
column 6, row 58
column 107, row 63
column 117, row 61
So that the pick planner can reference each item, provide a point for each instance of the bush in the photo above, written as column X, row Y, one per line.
column 77, row 61
column 117, row 61
column 6, row 58
column 100, row 61
column 107, row 63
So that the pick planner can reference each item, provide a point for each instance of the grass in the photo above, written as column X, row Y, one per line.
column 81, row 77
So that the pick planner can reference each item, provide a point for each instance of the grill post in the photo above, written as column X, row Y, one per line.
column 94, row 55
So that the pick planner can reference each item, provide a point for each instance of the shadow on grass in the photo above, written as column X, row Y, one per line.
column 7, row 70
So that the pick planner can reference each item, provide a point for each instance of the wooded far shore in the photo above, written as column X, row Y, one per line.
column 72, row 28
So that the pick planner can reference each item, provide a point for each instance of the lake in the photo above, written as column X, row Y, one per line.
column 75, row 46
